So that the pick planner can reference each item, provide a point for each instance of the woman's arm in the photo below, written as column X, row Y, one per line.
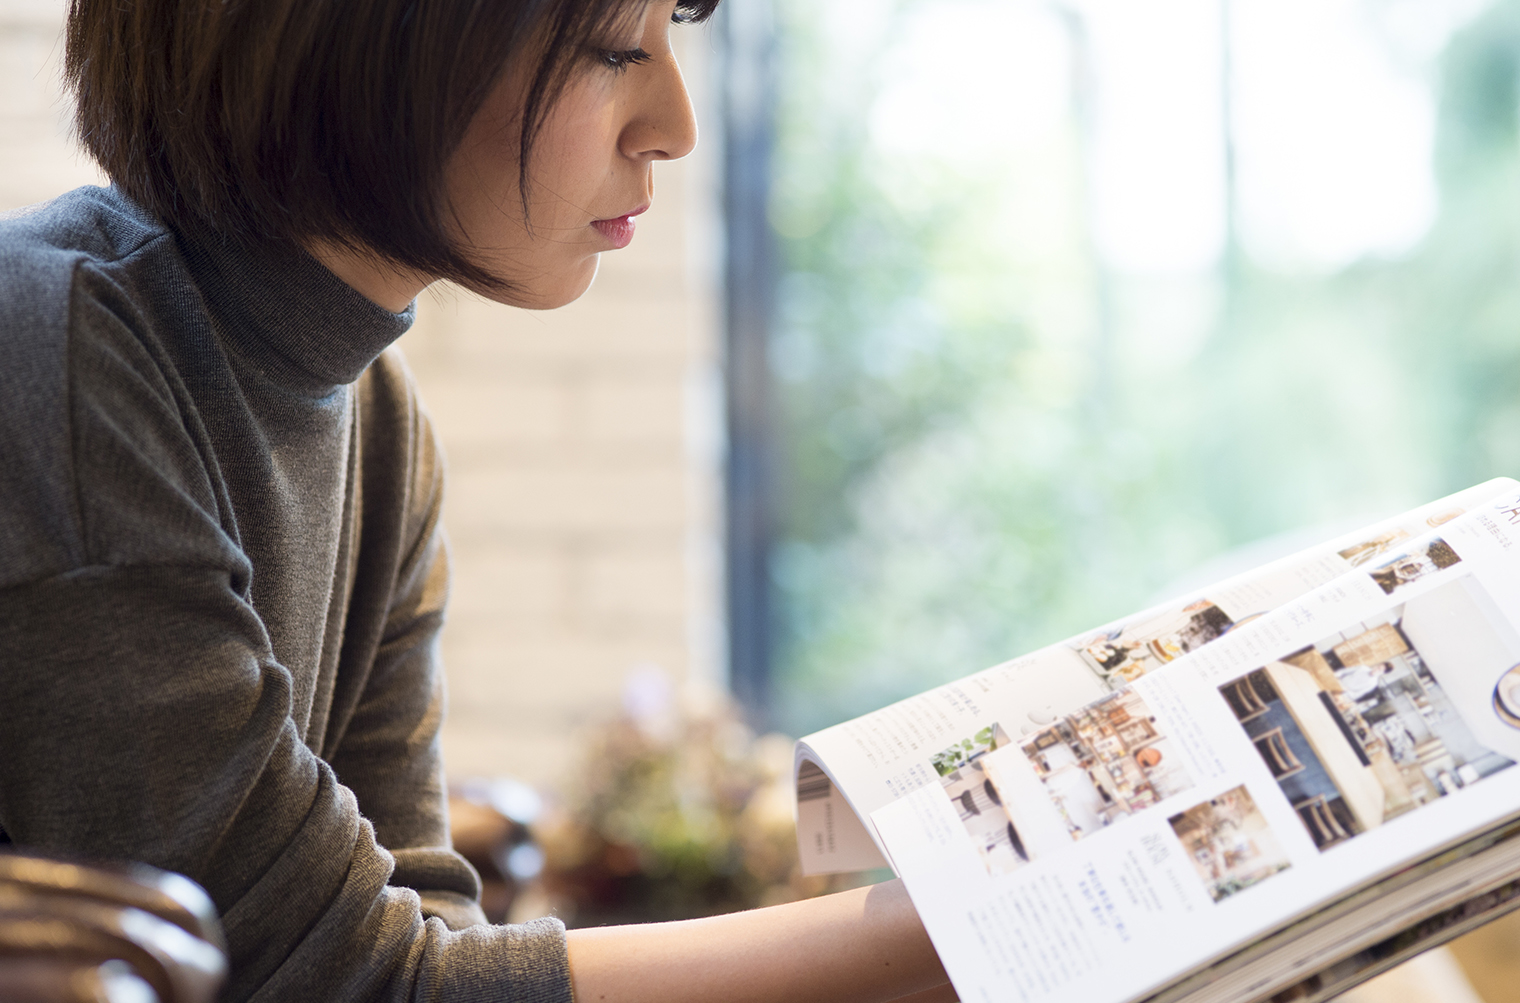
column 861, row 945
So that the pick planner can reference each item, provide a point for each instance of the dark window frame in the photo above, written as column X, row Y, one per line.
column 747, row 43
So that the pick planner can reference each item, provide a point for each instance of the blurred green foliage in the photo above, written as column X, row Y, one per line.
column 989, row 442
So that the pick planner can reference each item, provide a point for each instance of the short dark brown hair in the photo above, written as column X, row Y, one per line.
column 282, row 121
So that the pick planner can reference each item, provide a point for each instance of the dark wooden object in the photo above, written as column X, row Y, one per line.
column 72, row 933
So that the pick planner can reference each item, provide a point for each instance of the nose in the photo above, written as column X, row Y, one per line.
column 663, row 125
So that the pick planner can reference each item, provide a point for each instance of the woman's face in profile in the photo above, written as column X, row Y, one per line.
column 590, row 170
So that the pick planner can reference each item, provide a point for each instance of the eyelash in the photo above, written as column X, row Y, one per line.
column 619, row 60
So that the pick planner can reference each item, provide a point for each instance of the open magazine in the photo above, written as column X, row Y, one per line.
column 1269, row 789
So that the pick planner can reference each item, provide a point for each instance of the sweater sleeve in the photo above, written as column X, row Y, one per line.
column 146, row 718
column 388, row 752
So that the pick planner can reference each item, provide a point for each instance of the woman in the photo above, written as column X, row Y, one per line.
column 221, row 574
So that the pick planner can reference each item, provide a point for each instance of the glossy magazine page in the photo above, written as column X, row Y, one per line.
column 846, row 772
column 1372, row 961
column 1311, row 943
column 1294, row 759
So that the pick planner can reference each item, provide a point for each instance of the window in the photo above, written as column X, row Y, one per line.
column 1071, row 297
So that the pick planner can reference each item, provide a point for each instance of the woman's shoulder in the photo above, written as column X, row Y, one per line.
column 62, row 259
column 49, row 239
column 79, row 371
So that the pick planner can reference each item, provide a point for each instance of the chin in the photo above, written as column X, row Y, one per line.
column 549, row 291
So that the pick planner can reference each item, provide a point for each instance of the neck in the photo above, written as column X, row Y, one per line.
column 387, row 285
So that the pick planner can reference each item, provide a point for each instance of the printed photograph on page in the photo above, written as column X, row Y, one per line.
column 978, row 801
column 1382, row 717
column 1229, row 843
column 1105, row 762
column 1126, row 653
column 1416, row 563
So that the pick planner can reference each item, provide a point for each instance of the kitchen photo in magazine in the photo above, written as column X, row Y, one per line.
column 1272, row 788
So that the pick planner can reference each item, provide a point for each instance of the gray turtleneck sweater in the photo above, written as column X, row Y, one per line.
column 222, row 578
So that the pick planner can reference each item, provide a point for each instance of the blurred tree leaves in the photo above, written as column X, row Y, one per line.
column 989, row 442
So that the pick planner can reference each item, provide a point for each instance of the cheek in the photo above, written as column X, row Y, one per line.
column 573, row 179
column 482, row 185
column 573, row 155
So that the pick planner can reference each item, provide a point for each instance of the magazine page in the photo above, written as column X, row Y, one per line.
column 1297, row 758
column 1313, row 942
column 1328, row 943
column 1435, row 930
column 846, row 772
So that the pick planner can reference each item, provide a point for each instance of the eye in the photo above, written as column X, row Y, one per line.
column 619, row 60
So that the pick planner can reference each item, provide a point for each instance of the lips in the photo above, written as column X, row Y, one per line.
column 619, row 229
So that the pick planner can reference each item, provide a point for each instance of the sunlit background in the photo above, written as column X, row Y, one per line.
column 1075, row 297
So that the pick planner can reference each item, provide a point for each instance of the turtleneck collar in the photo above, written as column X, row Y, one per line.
column 284, row 306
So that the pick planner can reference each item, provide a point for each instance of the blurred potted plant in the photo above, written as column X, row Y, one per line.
column 677, row 810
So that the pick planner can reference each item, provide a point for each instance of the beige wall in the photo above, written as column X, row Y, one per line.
column 37, row 157
column 583, row 480
column 583, row 446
